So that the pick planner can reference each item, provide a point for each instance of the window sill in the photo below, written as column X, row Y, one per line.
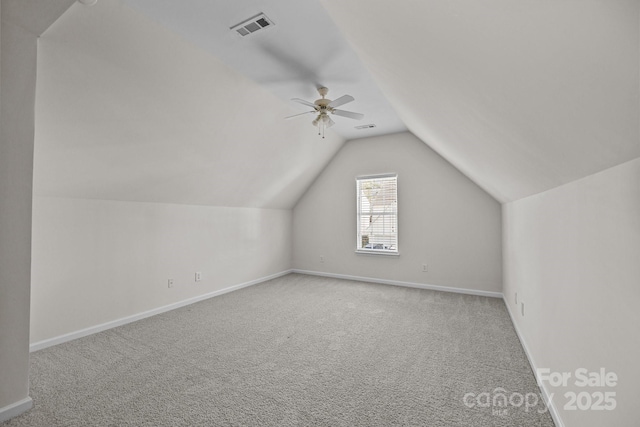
column 383, row 253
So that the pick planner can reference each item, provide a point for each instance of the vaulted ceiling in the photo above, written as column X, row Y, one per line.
column 128, row 110
column 521, row 96
column 139, row 100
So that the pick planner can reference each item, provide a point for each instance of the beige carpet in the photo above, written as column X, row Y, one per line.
column 294, row 351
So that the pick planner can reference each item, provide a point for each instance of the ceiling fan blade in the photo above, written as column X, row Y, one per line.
column 303, row 102
column 349, row 114
column 301, row 114
column 341, row 101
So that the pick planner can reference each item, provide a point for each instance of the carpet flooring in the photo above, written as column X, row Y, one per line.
column 296, row 351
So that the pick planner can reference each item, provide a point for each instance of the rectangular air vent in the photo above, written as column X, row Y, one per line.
column 366, row 126
column 253, row 24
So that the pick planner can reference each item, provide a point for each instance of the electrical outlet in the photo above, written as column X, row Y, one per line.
column 198, row 276
column 424, row 268
column 170, row 283
column 522, row 308
column 321, row 258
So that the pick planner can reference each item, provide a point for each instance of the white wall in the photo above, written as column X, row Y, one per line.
column 573, row 256
column 18, row 67
column 96, row 261
column 22, row 23
column 445, row 220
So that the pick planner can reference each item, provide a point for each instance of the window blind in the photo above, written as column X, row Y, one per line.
column 377, row 214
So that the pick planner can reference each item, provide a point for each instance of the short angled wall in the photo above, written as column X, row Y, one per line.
column 123, row 321
column 100, row 263
column 572, row 257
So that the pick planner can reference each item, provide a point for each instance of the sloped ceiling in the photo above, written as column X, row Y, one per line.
column 302, row 50
column 522, row 96
column 128, row 110
column 34, row 16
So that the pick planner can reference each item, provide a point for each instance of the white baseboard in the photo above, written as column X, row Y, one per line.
column 15, row 409
column 405, row 284
column 124, row 320
column 553, row 411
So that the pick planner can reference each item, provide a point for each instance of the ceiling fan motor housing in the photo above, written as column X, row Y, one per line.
column 322, row 103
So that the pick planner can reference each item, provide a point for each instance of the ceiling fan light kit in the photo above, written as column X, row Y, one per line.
column 323, row 107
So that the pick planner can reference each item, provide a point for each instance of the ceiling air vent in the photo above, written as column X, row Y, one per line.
column 365, row 126
column 253, row 24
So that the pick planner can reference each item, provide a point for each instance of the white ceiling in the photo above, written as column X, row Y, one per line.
column 522, row 96
column 128, row 110
column 157, row 100
column 302, row 51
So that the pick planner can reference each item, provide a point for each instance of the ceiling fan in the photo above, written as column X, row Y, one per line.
column 323, row 107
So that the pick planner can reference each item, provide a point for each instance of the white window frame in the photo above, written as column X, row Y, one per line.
column 371, row 251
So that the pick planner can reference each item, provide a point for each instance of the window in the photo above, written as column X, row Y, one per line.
column 377, row 207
